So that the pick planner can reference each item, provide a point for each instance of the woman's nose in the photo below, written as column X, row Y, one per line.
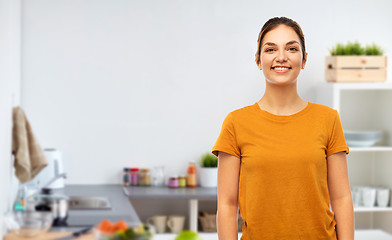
column 281, row 56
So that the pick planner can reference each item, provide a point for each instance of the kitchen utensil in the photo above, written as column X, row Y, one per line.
column 158, row 176
column 75, row 234
column 176, row 223
column 356, row 194
column 383, row 195
column 369, row 196
column 159, row 222
column 30, row 223
column 362, row 138
column 47, row 201
column 55, row 203
column 54, row 168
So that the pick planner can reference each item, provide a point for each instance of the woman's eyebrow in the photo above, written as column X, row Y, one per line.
column 269, row 43
column 273, row 44
column 292, row 42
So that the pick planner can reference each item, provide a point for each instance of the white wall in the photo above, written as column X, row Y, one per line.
column 9, row 95
column 144, row 83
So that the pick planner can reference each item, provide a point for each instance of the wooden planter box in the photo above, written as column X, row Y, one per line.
column 356, row 68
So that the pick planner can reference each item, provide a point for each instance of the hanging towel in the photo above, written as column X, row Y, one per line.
column 29, row 156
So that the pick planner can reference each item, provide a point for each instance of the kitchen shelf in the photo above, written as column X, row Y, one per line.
column 193, row 195
column 365, row 106
column 372, row 209
column 371, row 149
column 360, row 86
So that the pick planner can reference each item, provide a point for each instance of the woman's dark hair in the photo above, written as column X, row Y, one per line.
column 275, row 22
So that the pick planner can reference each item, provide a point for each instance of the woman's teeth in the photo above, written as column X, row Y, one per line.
column 281, row 68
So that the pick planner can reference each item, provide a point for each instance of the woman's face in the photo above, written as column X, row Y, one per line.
column 281, row 56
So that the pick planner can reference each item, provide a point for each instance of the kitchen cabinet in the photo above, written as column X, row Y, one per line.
column 365, row 106
column 192, row 195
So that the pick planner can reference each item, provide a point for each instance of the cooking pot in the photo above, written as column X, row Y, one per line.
column 47, row 200
column 56, row 203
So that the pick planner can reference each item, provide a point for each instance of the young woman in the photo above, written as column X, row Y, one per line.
column 282, row 160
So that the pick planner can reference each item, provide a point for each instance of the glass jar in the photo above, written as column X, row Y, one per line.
column 181, row 181
column 173, row 182
column 191, row 179
column 134, row 180
column 126, row 177
column 158, row 176
column 145, row 177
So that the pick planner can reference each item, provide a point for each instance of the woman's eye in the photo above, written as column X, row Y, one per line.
column 293, row 49
column 269, row 50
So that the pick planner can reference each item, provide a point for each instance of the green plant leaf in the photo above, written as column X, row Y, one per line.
column 355, row 49
column 209, row 160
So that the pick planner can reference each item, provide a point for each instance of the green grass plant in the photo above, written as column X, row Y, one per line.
column 355, row 49
column 373, row 50
column 209, row 160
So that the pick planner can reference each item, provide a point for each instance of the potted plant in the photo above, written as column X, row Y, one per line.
column 354, row 63
column 208, row 172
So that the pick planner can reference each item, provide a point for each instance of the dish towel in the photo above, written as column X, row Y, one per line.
column 29, row 156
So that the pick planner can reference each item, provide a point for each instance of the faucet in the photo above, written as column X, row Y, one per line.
column 62, row 175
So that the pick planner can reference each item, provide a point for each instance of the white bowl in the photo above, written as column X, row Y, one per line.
column 362, row 138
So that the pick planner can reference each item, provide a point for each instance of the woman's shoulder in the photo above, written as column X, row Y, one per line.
column 240, row 113
column 244, row 110
column 323, row 110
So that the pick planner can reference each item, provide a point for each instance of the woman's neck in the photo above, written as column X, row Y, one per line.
column 282, row 100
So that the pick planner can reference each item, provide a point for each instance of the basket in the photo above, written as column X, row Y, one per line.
column 207, row 221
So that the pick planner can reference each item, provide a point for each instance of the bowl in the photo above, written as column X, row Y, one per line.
column 362, row 138
column 29, row 223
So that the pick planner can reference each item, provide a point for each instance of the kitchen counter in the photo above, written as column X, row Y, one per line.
column 121, row 207
column 359, row 235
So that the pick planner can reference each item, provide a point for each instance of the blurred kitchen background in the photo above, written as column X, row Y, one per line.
column 146, row 83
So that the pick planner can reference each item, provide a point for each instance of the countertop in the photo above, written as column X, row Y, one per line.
column 137, row 192
column 359, row 235
column 121, row 208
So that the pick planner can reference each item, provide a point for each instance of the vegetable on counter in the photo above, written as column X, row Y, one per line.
column 188, row 235
column 107, row 230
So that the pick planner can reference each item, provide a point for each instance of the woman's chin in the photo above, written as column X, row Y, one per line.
column 281, row 82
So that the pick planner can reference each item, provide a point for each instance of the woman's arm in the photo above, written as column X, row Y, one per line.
column 228, row 177
column 340, row 195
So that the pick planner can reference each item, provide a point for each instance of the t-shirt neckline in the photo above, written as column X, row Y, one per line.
column 272, row 116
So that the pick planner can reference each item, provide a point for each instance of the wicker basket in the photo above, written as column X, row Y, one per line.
column 207, row 221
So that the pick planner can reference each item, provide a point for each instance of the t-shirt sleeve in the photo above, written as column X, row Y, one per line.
column 227, row 141
column 337, row 142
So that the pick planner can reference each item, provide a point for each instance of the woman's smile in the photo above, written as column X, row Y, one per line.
column 281, row 69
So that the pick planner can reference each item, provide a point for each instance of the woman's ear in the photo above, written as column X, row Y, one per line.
column 304, row 61
column 259, row 65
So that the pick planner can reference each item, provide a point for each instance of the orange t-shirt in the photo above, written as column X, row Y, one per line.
column 283, row 190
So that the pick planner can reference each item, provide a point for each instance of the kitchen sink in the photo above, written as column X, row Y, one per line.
column 88, row 203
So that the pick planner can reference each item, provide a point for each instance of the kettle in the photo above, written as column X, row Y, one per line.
column 54, row 168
